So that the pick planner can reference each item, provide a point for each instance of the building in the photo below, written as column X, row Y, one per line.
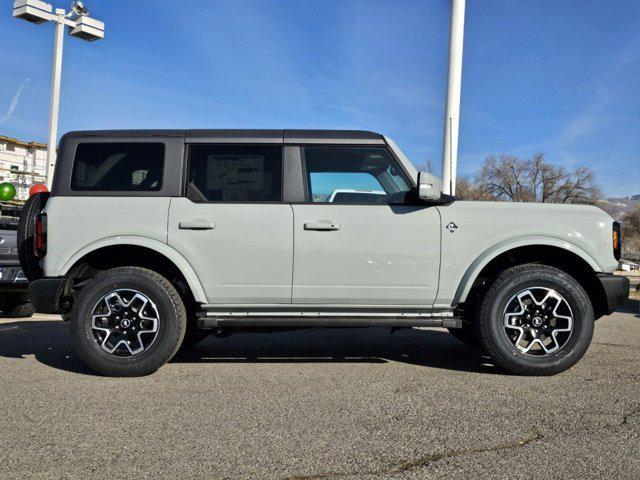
column 629, row 266
column 23, row 164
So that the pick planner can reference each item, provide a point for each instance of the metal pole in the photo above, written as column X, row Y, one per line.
column 55, row 95
column 454, row 86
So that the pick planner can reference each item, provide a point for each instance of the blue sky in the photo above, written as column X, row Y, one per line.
column 559, row 77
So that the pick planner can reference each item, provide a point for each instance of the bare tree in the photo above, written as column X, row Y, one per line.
column 534, row 180
column 467, row 189
column 506, row 178
column 631, row 233
column 425, row 166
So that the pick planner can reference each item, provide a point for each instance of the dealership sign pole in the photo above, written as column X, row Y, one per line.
column 454, row 86
column 80, row 26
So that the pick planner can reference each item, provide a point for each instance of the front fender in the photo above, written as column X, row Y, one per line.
column 494, row 251
column 162, row 248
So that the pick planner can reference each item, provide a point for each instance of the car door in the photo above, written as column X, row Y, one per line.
column 358, row 238
column 232, row 226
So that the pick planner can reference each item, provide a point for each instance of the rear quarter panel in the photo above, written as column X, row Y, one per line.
column 486, row 229
column 75, row 223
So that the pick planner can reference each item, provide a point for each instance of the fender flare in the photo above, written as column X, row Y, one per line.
column 162, row 248
column 494, row 251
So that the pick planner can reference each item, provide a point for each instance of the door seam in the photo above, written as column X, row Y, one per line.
column 293, row 249
column 168, row 216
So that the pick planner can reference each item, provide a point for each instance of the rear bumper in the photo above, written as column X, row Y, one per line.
column 46, row 294
column 616, row 289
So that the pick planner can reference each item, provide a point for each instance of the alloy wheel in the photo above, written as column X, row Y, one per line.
column 538, row 321
column 125, row 322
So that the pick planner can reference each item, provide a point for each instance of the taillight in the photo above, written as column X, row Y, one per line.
column 616, row 240
column 40, row 235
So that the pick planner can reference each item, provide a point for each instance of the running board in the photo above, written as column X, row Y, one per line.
column 214, row 320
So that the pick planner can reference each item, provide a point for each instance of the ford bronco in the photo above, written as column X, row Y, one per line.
column 150, row 240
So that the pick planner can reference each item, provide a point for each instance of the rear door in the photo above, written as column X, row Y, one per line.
column 232, row 225
column 359, row 239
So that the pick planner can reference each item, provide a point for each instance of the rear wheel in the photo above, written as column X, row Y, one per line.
column 536, row 320
column 128, row 321
column 28, row 261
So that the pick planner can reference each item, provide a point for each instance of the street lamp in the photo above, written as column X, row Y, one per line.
column 454, row 87
column 80, row 26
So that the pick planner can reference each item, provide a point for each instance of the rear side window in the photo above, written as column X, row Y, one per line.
column 118, row 167
column 234, row 173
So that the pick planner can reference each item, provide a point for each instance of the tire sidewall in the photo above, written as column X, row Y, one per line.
column 499, row 345
column 171, row 325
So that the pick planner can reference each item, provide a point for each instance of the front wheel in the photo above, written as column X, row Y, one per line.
column 128, row 321
column 536, row 320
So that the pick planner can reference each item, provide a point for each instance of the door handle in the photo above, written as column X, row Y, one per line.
column 322, row 226
column 197, row 225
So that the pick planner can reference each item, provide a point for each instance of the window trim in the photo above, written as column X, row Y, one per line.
column 394, row 160
column 187, row 159
column 99, row 192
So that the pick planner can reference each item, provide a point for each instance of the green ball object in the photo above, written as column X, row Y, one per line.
column 7, row 191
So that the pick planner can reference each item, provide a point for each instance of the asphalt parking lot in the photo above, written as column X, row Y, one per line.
column 319, row 404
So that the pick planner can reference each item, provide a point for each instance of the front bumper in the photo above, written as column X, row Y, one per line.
column 47, row 294
column 616, row 289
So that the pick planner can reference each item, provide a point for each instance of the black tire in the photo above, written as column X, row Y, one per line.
column 28, row 261
column 20, row 310
column 496, row 341
column 172, row 320
column 466, row 335
column 193, row 335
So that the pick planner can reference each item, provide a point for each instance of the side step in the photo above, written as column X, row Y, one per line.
column 215, row 321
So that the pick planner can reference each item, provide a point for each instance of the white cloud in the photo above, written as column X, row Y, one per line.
column 15, row 101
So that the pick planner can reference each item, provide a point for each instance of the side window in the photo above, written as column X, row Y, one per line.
column 234, row 173
column 354, row 175
column 115, row 167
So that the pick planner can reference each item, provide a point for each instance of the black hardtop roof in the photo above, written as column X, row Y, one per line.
column 298, row 135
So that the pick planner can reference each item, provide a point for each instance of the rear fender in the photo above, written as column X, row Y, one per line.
column 172, row 255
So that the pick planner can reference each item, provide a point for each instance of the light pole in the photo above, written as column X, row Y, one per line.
column 454, row 87
column 80, row 26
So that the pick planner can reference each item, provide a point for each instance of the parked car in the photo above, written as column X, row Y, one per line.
column 14, row 301
column 151, row 239
column 344, row 195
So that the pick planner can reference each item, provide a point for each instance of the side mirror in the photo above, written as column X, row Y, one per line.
column 429, row 187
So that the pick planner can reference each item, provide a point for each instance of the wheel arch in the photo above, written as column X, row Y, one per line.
column 134, row 251
column 544, row 250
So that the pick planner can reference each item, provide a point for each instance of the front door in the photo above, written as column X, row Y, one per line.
column 358, row 238
column 232, row 226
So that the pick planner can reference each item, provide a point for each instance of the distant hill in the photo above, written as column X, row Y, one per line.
column 617, row 207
